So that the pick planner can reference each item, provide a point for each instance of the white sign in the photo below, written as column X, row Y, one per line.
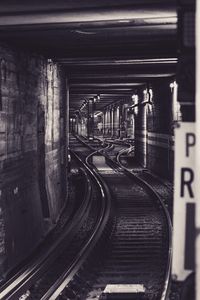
column 184, row 201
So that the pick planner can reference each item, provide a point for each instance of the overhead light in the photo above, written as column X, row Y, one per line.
column 96, row 114
column 135, row 99
column 173, row 85
column 151, row 94
column 145, row 91
column 84, row 32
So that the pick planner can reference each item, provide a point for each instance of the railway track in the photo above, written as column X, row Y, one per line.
column 125, row 246
column 40, row 278
column 123, row 153
column 139, row 251
column 163, row 188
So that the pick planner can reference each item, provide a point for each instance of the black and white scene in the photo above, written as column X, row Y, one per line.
column 98, row 150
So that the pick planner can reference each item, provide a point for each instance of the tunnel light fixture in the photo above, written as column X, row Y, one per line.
column 151, row 94
column 145, row 92
column 135, row 99
column 83, row 105
column 177, row 115
column 147, row 95
column 97, row 114
column 173, row 85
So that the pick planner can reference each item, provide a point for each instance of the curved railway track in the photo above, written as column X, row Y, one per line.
column 40, row 278
column 126, row 245
column 139, row 251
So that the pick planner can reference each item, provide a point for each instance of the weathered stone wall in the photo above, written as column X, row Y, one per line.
column 32, row 147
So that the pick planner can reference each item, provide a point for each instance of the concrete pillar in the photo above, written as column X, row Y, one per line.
column 120, row 120
column 140, row 130
column 105, row 122
column 76, row 125
column 130, row 124
column 114, row 109
column 159, row 130
column 125, row 120
column 186, row 60
column 117, row 123
column 184, row 210
column 90, row 119
column 67, row 123
column 109, row 121
column 103, row 119
column 112, row 122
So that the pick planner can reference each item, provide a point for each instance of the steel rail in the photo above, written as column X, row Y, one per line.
column 165, row 291
column 68, row 275
column 19, row 283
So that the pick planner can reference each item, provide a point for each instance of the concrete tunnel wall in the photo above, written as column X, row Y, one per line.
column 32, row 152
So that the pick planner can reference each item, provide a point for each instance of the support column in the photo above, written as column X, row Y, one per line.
column 120, row 120
column 109, row 121
column 103, row 119
column 159, row 129
column 112, row 122
column 76, row 125
column 140, row 129
column 185, row 263
column 110, row 115
column 67, row 122
column 126, row 120
column 90, row 119
column 117, row 117
column 186, row 60
column 106, row 122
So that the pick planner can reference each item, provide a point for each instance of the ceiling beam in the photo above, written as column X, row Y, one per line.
column 115, row 62
column 116, row 16
column 116, row 78
column 77, row 94
column 104, row 85
column 94, row 90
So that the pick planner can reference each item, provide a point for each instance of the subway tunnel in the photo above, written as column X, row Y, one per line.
column 91, row 95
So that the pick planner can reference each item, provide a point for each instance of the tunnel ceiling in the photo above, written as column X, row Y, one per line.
column 107, row 47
